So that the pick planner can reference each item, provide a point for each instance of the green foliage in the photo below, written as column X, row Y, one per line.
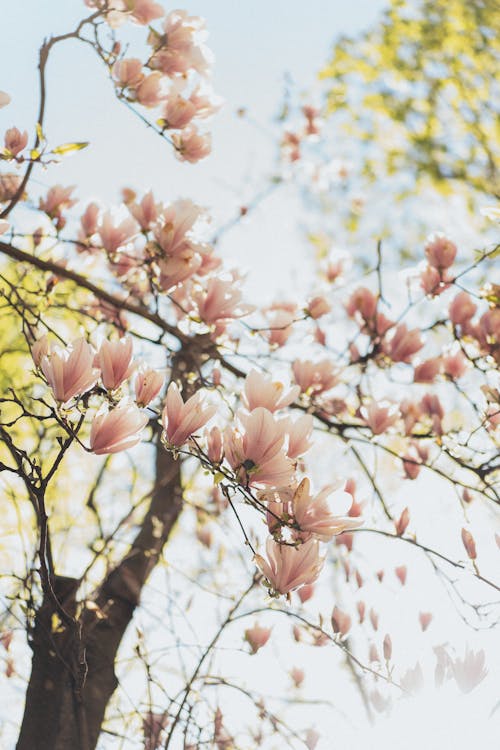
column 423, row 86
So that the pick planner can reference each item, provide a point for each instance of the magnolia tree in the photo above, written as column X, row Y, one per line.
column 208, row 503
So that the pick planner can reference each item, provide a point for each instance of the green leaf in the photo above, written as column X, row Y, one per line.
column 68, row 148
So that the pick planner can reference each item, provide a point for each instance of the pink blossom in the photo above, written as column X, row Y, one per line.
column 146, row 212
column 15, row 141
column 39, row 349
column 4, row 99
column 181, row 420
column 190, row 145
column 220, row 300
column 400, row 572
column 114, row 235
column 462, row 309
column 4, row 225
column 297, row 676
column 180, row 48
column 306, row 592
column 315, row 377
column 402, row 522
column 431, row 281
column 469, row 544
column 89, row 219
column 215, row 450
column 260, row 390
column 57, row 199
column 341, row 621
column 403, row 344
column 148, row 384
column 440, row 252
column 374, row 619
column 114, row 359
column 128, row 72
column 362, row 302
column 145, row 11
column 469, row 671
column 299, row 435
column 280, row 326
column 116, row 430
column 379, row 417
column 387, row 647
column 70, row 372
column 173, row 232
column 257, row 637
column 178, row 111
column 153, row 725
column 455, row 365
column 323, row 516
column 287, row 568
column 257, row 455
column 149, row 92
column 411, row 466
column 177, row 270
column 312, row 739
column 426, row 371
column 425, row 619
column 361, row 607
column 317, row 307
column 9, row 185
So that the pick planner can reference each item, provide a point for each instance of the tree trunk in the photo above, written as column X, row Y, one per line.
column 67, row 696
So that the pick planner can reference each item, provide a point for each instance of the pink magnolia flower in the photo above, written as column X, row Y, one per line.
column 39, row 349
column 440, row 252
column 280, row 326
column 89, row 220
column 177, row 270
column 153, row 725
column 387, row 647
column 401, row 572
column 9, row 185
column 426, row 371
column 4, row 225
column 402, row 522
column 403, row 344
column 181, row 420
column 298, row 675
column 299, row 435
column 315, row 377
column 341, row 621
column 469, row 544
column 15, row 141
column 260, row 390
column 462, row 309
column 257, row 455
column 4, row 99
column 257, row 637
column 317, row 307
column 175, row 226
column 145, row 11
column 191, row 146
column 374, row 619
column 220, row 300
column 325, row 515
column 411, row 466
column 70, row 372
column 114, row 235
column 287, row 568
column 215, row 448
column 178, row 111
column 181, row 47
column 379, row 417
column 363, row 303
column 57, row 199
column 128, row 72
column 149, row 92
column 455, row 364
column 114, row 359
column 361, row 607
column 148, row 384
column 306, row 592
column 146, row 212
column 469, row 671
column 312, row 739
column 116, row 430
column 425, row 619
